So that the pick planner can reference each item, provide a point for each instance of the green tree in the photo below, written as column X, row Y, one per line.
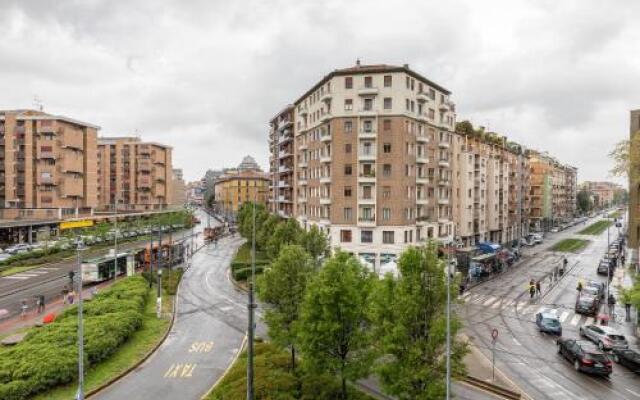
column 465, row 127
column 334, row 327
column 316, row 244
column 286, row 232
column 245, row 219
column 266, row 230
column 584, row 201
column 282, row 286
column 410, row 326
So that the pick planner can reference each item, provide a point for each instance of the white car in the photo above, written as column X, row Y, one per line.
column 536, row 238
column 555, row 229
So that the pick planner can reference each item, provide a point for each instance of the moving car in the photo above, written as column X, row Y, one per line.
column 603, row 267
column 586, row 304
column 555, row 229
column 600, row 286
column 605, row 337
column 548, row 322
column 585, row 356
column 628, row 358
column 537, row 238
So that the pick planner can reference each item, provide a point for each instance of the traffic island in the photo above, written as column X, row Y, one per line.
column 596, row 228
column 570, row 245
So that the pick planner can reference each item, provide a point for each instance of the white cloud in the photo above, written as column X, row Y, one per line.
column 205, row 77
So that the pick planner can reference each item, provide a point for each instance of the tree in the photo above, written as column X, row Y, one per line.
column 584, row 201
column 465, row 127
column 316, row 244
column 286, row 232
column 282, row 286
column 266, row 230
column 245, row 219
column 410, row 326
column 625, row 155
column 334, row 327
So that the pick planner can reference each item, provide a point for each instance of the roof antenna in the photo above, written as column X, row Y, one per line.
column 38, row 103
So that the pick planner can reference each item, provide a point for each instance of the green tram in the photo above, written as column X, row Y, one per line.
column 100, row 269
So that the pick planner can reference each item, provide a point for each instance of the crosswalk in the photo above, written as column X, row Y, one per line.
column 29, row 274
column 524, row 309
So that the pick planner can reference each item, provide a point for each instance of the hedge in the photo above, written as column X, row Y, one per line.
column 47, row 357
column 242, row 274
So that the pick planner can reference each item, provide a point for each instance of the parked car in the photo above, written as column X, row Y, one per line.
column 4, row 256
column 525, row 242
column 586, row 304
column 603, row 267
column 537, row 238
column 18, row 248
column 585, row 356
column 555, row 229
column 549, row 323
column 605, row 337
column 628, row 358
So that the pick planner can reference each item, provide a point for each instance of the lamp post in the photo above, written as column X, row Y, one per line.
column 115, row 236
column 80, row 394
column 159, row 300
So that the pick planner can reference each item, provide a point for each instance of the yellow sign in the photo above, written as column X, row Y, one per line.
column 76, row 224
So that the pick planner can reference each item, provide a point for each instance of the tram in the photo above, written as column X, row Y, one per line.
column 103, row 268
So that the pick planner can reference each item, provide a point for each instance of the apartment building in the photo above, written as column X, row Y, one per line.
column 247, row 183
column 47, row 165
column 371, row 156
column 603, row 194
column 135, row 174
column 178, row 188
column 634, row 186
column 282, row 163
column 489, row 181
column 553, row 191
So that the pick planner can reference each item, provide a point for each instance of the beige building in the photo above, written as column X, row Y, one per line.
column 281, row 163
column 246, row 183
column 179, row 188
column 48, row 165
column 372, row 159
column 603, row 193
column 634, row 185
column 136, row 174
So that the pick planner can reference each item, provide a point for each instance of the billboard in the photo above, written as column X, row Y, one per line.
column 76, row 224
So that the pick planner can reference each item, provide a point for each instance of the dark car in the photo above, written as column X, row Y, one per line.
column 600, row 286
column 549, row 323
column 588, row 305
column 585, row 356
column 628, row 358
column 603, row 267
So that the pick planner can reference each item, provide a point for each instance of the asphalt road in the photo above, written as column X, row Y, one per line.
column 50, row 279
column 209, row 329
column 530, row 357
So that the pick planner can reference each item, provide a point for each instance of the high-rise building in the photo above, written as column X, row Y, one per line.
column 47, row 165
column 371, row 159
column 634, row 185
column 135, row 174
column 281, row 163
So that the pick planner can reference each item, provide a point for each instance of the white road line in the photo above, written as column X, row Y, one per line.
column 49, row 268
column 575, row 319
column 477, row 299
column 589, row 321
column 516, row 341
column 563, row 316
column 466, row 295
column 495, row 305
column 490, row 300
column 38, row 272
column 15, row 277
column 632, row 392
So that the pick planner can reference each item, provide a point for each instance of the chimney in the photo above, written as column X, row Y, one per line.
column 357, row 62
column 406, row 66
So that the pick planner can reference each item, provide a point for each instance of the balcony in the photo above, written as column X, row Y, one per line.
column 423, row 180
column 304, row 110
column 443, row 201
column 284, row 138
column 325, row 117
column 47, row 155
column 367, row 112
column 303, row 146
column 46, row 128
column 443, row 220
column 422, row 138
column 325, row 137
column 284, row 184
column 422, row 200
column 325, row 158
column 45, row 180
column 367, row 155
column 326, row 97
column 367, row 200
column 362, row 134
column 325, row 179
column 284, row 154
column 302, row 164
column 284, row 169
column 367, row 177
column 325, row 200
column 368, row 91
column 284, row 124
column 443, row 182
column 422, row 159
column 443, row 144
column 369, row 220
column 302, row 182
column 144, row 166
column 422, row 97
column 424, row 219
column 302, row 199
column 444, row 163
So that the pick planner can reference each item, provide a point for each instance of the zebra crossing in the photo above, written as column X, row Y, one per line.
column 29, row 274
column 524, row 309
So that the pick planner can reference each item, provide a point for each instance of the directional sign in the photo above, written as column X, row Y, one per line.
column 494, row 335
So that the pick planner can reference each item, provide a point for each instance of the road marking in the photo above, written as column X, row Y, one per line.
column 49, row 268
column 575, row 319
column 201, row 347
column 27, row 275
column 516, row 341
column 180, row 370
column 632, row 392
column 496, row 304
column 15, row 277
column 563, row 316
column 466, row 295
column 589, row 321
column 477, row 298
column 490, row 300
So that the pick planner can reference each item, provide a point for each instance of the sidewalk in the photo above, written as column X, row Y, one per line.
column 623, row 278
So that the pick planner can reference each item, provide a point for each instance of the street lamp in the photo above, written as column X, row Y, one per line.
column 159, row 299
column 80, row 394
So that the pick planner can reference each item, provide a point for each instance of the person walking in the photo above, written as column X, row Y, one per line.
column 538, row 288
column 65, row 295
column 42, row 303
column 24, row 307
column 612, row 304
column 579, row 288
column 532, row 289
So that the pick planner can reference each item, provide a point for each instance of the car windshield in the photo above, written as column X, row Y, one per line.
column 551, row 322
column 616, row 337
column 586, row 301
column 596, row 357
column 590, row 290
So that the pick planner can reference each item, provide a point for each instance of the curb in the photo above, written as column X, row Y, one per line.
column 490, row 388
column 226, row 371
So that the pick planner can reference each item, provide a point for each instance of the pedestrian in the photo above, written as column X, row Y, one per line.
column 627, row 308
column 38, row 305
column 532, row 290
column 42, row 303
column 612, row 303
column 71, row 296
column 538, row 288
column 24, row 308
column 579, row 288
column 65, row 294
column 622, row 260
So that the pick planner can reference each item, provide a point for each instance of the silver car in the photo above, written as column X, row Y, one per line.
column 605, row 337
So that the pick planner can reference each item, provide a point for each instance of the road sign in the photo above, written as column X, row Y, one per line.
column 494, row 335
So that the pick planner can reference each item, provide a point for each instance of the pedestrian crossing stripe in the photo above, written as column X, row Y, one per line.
column 489, row 301
column 496, row 304
column 15, row 277
column 563, row 316
column 575, row 319
column 589, row 321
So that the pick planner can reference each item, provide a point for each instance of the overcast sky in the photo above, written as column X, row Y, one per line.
column 206, row 76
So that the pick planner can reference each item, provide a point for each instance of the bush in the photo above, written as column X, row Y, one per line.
column 47, row 357
column 243, row 273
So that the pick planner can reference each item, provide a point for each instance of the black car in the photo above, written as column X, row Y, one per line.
column 585, row 356
column 600, row 286
column 603, row 267
column 588, row 305
column 628, row 358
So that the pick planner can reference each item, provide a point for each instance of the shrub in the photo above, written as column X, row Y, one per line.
column 243, row 273
column 47, row 357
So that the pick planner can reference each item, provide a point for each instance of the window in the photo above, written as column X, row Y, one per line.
column 348, row 82
column 368, row 82
column 386, row 192
column 347, row 213
column 368, row 104
column 408, row 83
column 348, row 126
column 386, row 148
column 347, row 148
column 347, row 169
column 348, row 104
column 387, row 237
column 366, row 192
column 387, row 103
column 347, row 191
column 432, row 94
column 45, row 148
column 407, row 104
column 432, row 113
column 386, row 124
column 366, row 236
column 367, row 125
column 345, row 236
column 387, row 81
column 386, row 170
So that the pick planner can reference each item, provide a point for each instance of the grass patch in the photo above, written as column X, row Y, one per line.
column 615, row 214
column 596, row 228
column 273, row 380
column 17, row 270
column 570, row 245
column 138, row 345
column 241, row 263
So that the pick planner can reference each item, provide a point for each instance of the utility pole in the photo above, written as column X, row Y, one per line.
column 151, row 259
column 449, row 265
column 80, row 393
column 115, row 236
column 251, row 306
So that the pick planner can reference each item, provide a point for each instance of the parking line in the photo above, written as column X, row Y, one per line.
column 563, row 316
column 575, row 319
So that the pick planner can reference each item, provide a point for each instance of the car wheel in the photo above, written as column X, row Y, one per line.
column 576, row 365
column 601, row 346
column 559, row 348
column 616, row 358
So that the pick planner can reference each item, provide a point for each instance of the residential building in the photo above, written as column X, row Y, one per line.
column 135, row 174
column 179, row 188
column 245, row 183
column 371, row 159
column 281, row 163
column 603, row 194
column 634, row 186
column 47, row 165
